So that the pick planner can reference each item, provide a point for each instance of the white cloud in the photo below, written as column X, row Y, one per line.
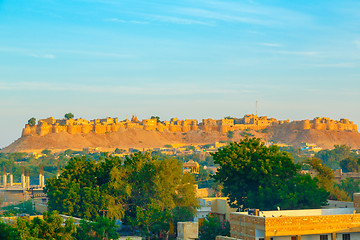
column 270, row 44
column 126, row 21
column 30, row 52
column 44, row 56
column 306, row 53
column 27, row 52
column 115, row 20
column 336, row 65
column 178, row 20
column 49, row 56
column 157, row 90
column 357, row 43
column 251, row 13
column 219, row 16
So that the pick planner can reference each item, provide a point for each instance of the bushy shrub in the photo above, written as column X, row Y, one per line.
column 212, row 227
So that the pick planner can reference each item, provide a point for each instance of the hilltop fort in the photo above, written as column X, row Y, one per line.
column 248, row 122
column 110, row 133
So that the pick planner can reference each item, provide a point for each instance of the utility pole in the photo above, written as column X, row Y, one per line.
column 256, row 107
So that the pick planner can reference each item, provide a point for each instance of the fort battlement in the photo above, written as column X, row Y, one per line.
column 249, row 121
column 325, row 124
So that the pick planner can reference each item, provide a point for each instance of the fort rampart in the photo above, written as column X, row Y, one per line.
column 250, row 121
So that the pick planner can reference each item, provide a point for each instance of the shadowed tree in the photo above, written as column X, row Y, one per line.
column 256, row 176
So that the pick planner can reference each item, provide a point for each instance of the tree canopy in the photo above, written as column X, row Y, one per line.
column 50, row 227
column 32, row 121
column 333, row 157
column 325, row 177
column 350, row 164
column 69, row 116
column 124, row 188
column 256, row 176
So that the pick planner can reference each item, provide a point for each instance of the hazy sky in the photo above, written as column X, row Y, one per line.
column 184, row 58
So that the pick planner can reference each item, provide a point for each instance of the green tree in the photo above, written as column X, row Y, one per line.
column 46, row 151
column 122, row 188
column 191, row 148
column 333, row 157
column 296, row 153
column 50, row 227
column 212, row 227
column 230, row 134
column 350, row 165
column 256, row 176
column 32, row 121
column 325, row 177
column 78, row 191
column 102, row 228
column 160, row 182
column 156, row 117
column 8, row 232
column 69, row 116
column 153, row 219
column 119, row 151
column 350, row 186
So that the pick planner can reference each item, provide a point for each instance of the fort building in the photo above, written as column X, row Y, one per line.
column 249, row 121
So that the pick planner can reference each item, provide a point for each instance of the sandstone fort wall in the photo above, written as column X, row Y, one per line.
column 250, row 121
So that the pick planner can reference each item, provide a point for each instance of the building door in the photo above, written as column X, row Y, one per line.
column 294, row 238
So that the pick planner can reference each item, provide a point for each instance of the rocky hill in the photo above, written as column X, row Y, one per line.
column 108, row 134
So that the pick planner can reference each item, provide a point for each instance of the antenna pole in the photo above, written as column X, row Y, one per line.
column 256, row 107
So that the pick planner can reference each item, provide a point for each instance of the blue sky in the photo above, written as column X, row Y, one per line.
column 186, row 59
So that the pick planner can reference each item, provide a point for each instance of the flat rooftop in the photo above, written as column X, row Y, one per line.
column 302, row 213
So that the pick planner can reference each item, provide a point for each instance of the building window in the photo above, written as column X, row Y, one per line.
column 323, row 237
column 346, row 236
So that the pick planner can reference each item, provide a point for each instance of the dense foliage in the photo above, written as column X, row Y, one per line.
column 138, row 185
column 102, row 228
column 256, row 176
column 212, row 227
column 18, row 209
column 325, row 176
column 296, row 153
column 52, row 226
column 333, row 157
column 350, row 164
column 350, row 186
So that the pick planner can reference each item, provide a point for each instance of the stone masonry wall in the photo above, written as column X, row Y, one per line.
column 253, row 122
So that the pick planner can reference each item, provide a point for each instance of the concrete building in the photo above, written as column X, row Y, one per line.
column 312, row 224
column 218, row 206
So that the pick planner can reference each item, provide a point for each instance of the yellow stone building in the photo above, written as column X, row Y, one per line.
column 312, row 224
column 191, row 167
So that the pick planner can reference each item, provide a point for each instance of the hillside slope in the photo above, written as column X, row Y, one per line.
column 139, row 138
